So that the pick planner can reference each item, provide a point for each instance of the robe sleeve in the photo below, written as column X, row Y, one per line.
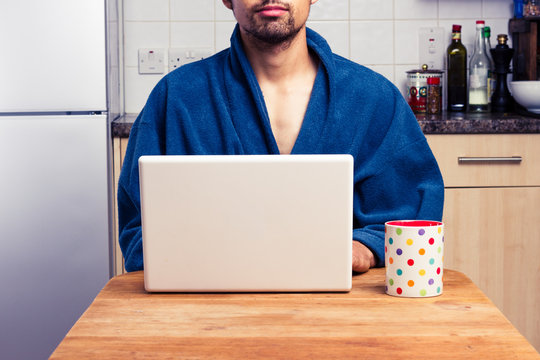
column 144, row 139
column 400, row 181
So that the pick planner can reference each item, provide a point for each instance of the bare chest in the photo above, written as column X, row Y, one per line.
column 286, row 113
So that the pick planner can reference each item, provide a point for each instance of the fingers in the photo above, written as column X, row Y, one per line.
column 362, row 258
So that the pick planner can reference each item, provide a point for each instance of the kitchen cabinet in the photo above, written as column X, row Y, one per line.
column 119, row 151
column 526, row 60
column 492, row 222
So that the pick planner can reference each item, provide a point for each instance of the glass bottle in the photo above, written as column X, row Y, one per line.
column 456, row 61
column 492, row 76
column 518, row 9
column 478, row 73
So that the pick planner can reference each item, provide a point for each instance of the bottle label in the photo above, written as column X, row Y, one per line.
column 478, row 78
column 478, row 87
column 456, row 36
column 492, row 81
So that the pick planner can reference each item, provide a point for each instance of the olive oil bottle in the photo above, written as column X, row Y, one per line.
column 456, row 60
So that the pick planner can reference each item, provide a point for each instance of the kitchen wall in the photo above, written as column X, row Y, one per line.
column 380, row 34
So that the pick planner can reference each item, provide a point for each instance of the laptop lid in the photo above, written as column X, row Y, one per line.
column 235, row 223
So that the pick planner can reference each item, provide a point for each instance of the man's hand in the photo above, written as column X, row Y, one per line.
column 362, row 257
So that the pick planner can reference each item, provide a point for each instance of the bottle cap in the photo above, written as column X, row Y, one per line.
column 502, row 39
column 433, row 80
column 480, row 22
column 456, row 28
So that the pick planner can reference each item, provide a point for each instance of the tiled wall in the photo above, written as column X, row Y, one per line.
column 381, row 34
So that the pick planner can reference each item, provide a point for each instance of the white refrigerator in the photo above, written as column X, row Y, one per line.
column 55, row 223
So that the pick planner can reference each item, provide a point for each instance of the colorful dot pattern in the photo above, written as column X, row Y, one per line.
column 414, row 259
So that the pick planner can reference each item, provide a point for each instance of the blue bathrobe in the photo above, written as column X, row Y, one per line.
column 215, row 106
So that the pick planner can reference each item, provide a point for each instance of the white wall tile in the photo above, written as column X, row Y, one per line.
column 497, row 9
column 224, row 31
column 385, row 70
column 330, row 10
column 143, row 35
column 447, row 26
column 415, row 9
column 145, row 10
column 372, row 9
column 381, row 34
column 183, row 10
column 460, row 9
column 222, row 12
column 137, row 88
column 192, row 34
column 406, row 39
column 336, row 34
column 372, row 42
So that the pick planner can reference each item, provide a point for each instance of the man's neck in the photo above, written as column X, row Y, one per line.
column 286, row 74
column 282, row 62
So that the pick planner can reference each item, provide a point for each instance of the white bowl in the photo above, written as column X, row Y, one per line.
column 527, row 94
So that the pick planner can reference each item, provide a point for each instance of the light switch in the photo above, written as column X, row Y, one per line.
column 432, row 47
column 151, row 61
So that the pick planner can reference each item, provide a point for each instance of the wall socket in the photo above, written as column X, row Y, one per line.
column 182, row 56
column 432, row 47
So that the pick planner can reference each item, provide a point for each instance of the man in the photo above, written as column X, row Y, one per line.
column 280, row 90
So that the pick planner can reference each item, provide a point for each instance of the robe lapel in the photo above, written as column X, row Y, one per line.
column 248, row 110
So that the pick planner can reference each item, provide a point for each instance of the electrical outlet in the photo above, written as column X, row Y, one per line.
column 151, row 61
column 432, row 47
column 182, row 56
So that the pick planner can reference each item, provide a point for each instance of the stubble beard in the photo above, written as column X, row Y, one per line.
column 273, row 32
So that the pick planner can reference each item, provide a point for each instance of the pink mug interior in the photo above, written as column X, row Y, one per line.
column 414, row 223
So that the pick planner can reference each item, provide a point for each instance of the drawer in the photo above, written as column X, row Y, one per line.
column 488, row 160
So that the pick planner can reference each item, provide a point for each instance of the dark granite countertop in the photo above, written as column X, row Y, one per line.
column 479, row 123
column 446, row 123
column 122, row 126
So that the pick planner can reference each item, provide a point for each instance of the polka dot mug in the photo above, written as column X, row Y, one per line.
column 414, row 258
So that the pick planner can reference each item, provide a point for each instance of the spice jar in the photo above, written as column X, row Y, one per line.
column 434, row 96
column 531, row 9
column 417, row 87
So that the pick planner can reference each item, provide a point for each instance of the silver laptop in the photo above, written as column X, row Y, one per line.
column 247, row 223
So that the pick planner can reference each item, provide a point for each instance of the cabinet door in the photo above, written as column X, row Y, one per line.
column 119, row 151
column 493, row 236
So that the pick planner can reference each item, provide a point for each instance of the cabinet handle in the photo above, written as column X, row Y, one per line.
column 507, row 159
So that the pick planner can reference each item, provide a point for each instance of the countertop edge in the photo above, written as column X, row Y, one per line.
column 446, row 123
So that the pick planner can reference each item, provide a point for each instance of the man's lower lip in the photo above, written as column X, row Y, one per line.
column 272, row 12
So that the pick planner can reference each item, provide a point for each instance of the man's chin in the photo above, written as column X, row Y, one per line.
column 275, row 36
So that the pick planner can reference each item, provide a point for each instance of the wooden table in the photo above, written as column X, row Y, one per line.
column 125, row 322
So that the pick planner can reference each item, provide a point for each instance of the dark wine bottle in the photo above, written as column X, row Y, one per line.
column 456, row 60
